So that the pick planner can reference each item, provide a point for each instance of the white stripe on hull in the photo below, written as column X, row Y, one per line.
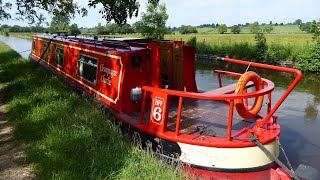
column 227, row 158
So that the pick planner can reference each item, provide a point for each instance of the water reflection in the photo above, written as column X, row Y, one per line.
column 311, row 111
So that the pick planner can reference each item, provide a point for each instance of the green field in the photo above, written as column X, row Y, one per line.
column 286, row 29
column 67, row 136
column 294, row 39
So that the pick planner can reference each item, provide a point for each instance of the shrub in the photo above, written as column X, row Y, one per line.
column 204, row 48
column 309, row 59
column 278, row 52
column 243, row 50
column 261, row 46
column 5, row 31
column 192, row 41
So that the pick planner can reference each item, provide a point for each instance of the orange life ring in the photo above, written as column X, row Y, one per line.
column 243, row 110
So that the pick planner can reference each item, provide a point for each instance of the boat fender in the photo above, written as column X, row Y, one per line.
column 243, row 109
column 136, row 94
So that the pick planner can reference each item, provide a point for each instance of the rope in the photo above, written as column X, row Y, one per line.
column 24, row 51
column 256, row 141
column 248, row 67
column 284, row 153
column 271, row 156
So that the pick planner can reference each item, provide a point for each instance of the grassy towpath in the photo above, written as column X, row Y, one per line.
column 66, row 136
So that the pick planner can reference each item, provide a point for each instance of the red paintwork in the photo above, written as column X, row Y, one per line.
column 118, row 57
column 188, row 62
column 273, row 173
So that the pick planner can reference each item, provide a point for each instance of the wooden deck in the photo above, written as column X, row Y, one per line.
column 206, row 117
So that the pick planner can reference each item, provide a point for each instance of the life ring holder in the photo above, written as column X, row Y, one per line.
column 243, row 109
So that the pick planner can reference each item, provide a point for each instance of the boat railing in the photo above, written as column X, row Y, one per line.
column 201, row 96
column 268, row 88
column 293, row 84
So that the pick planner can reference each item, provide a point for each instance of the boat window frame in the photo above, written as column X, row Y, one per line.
column 59, row 65
column 78, row 73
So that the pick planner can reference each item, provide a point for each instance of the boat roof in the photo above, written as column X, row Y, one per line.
column 118, row 43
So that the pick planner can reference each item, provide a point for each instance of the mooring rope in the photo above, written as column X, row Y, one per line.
column 248, row 67
column 256, row 141
column 285, row 155
column 24, row 51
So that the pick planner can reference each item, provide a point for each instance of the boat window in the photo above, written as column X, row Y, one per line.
column 59, row 57
column 45, row 57
column 33, row 45
column 88, row 68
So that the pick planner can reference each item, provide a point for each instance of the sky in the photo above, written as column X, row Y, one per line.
column 230, row 12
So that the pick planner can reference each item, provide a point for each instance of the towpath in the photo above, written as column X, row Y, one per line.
column 13, row 164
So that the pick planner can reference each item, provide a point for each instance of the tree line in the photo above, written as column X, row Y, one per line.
column 236, row 29
column 17, row 28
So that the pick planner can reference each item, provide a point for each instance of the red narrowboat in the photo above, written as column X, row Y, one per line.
column 149, row 85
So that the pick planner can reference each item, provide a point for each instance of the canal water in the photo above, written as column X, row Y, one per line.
column 299, row 114
column 22, row 46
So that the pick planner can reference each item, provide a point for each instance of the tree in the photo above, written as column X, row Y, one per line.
column 153, row 22
column 222, row 29
column 124, row 29
column 187, row 29
column 137, row 26
column 100, row 29
column 117, row 10
column 59, row 23
column 4, row 7
column 254, row 27
column 235, row 29
column 37, row 29
column 306, row 27
column 298, row 22
column 268, row 29
column 15, row 28
column 74, row 30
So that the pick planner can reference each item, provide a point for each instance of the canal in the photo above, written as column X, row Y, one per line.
column 299, row 114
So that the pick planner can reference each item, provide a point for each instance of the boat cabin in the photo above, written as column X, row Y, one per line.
column 112, row 67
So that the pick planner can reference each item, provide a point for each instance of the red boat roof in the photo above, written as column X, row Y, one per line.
column 117, row 43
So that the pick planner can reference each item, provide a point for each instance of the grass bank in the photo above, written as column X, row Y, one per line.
column 66, row 136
